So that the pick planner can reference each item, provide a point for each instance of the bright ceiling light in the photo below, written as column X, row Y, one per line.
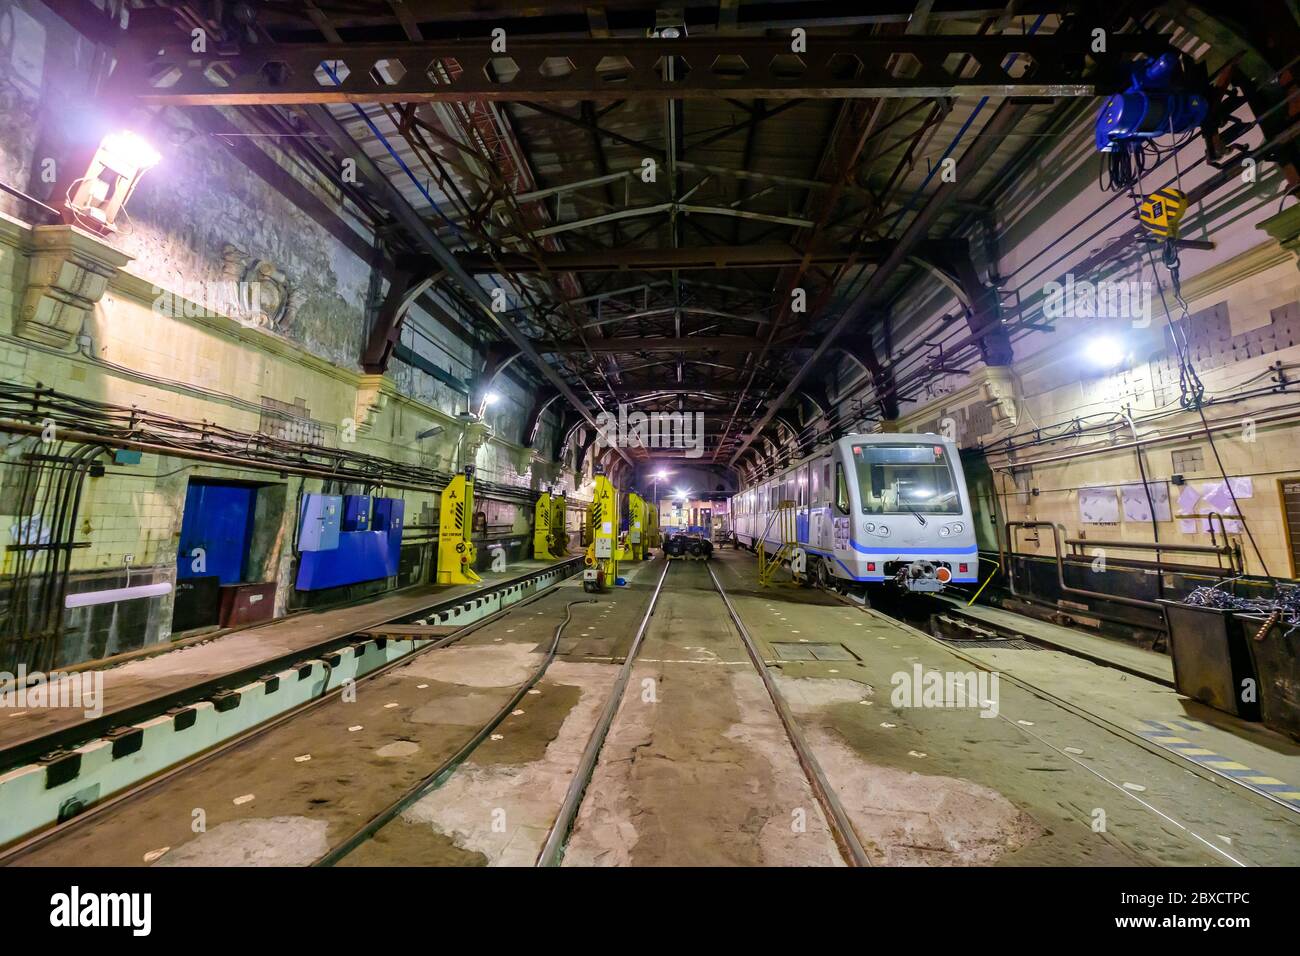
column 491, row 398
column 128, row 153
column 679, row 493
column 1105, row 352
column 661, row 475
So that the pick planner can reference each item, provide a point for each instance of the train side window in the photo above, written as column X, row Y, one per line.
column 814, row 483
column 841, row 490
column 826, row 479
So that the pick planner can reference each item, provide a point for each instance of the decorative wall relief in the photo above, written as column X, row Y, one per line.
column 269, row 300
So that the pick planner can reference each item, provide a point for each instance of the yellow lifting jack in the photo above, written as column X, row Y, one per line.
column 456, row 552
column 559, row 534
column 549, row 537
column 651, row 532
column 635, row 550
column 602, row 554
column 544, row 528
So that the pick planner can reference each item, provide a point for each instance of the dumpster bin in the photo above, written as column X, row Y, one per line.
column 1277, row 662
column 1211, row 660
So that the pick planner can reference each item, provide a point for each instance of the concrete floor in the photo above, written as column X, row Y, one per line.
column 696, row 769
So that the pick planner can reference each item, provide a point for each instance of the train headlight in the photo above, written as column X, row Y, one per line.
column 883, row 531
column 958, row 528
column 871, row 528
column 945, row 531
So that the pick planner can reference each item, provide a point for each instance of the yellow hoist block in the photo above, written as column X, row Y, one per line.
column 635, row 549
column 602, row 554
column 1162, row 211
column 559, row 534
column 456, row 552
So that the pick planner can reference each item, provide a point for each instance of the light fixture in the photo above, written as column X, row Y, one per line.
column 125, row 151
column 661, row 475
column 98, row 196
column 1105, row 351
column 491, row 398
column 679, row 493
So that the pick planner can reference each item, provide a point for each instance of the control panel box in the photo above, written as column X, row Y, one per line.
column 386, row 515
column 356, row 513
column 321, row 522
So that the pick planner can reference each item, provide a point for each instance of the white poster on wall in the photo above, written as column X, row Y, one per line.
column 1099, row 505
column 1136, row 507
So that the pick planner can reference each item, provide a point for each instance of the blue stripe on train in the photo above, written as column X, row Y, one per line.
column 956, row 578
column 863, row 549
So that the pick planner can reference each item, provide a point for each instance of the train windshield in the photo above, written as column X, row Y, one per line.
column 906, row 479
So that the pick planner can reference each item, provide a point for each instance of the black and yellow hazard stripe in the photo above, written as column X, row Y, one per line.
column 1169, row 734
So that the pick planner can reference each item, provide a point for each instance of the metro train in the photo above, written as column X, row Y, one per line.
column 871, row 510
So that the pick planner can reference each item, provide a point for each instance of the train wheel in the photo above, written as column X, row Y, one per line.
column 824, row 577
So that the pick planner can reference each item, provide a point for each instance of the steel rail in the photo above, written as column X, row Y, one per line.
column 841, row 826
column 438, row 776
column 553, row 850
column 23, row 751
column 33, row 841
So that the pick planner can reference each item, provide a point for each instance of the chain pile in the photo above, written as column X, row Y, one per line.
column 1285, row 603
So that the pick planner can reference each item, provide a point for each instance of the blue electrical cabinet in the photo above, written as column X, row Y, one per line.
column 321, row 522
column 356, row 513
column 386, row 516
column 366, row 547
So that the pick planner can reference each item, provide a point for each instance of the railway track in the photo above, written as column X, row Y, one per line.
column 552, row 852
column 32, row 844
column 841, row 827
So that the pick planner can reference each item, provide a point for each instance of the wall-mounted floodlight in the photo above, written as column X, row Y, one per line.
column 491, row 398
column 429, row 432
column 1105, row 351
column 97, row 197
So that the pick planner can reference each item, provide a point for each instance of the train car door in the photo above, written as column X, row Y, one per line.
column 983, row 499
column 802, row 491
column 821, row 500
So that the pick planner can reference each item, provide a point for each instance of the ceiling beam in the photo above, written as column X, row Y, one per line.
column 661, row 259
column 1004, row 119
column 628, row 344
column 335, row 133
column 623, row 68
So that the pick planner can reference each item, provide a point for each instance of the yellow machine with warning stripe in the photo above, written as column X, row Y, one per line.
column 650, row 536
column 549, row 537
column 559, row 533
column 1162, row 212
column 543, row 544
column 456, row 552
column 602, row 553
column 635, row 545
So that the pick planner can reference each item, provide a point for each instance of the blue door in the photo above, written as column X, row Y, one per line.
column 218, row 518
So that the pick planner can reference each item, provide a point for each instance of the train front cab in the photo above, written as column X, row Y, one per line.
column 896, row 538
column 910, row 521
